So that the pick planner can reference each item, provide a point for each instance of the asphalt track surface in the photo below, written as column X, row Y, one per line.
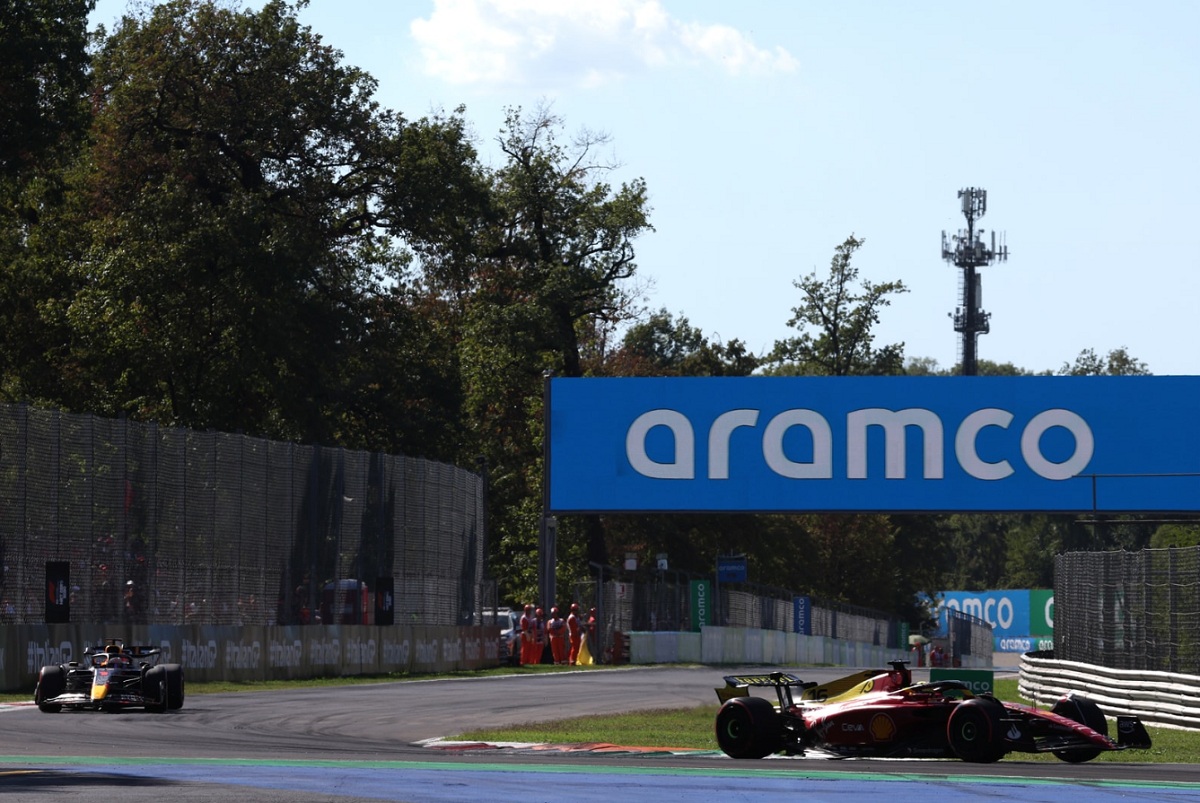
column 367, row 743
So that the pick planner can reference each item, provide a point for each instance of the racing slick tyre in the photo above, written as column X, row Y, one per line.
column 749, row 727
column 156, row 690
column 975, row 732
column 174, row 686
column 52, row 681
column 1085, row 712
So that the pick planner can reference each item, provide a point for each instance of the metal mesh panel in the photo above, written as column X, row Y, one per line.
column 169, row 526
column 1129, row 610
column 968, row 635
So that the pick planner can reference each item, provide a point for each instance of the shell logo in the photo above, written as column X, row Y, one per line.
column 882, row 728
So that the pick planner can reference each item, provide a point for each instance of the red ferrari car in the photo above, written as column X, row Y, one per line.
column 883, row 714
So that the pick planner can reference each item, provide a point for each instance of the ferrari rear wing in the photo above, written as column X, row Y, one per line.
column 842, row 688
column 740, row 685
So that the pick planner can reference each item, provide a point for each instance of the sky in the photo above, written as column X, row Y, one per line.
column 769, row 132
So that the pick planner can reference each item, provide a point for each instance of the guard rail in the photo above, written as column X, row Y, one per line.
column 1160, row 698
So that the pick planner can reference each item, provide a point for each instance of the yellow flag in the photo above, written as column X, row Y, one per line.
column 585, row 656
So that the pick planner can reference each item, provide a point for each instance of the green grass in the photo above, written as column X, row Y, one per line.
column 692, row 728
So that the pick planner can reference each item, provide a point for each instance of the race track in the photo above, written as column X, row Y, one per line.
column 360, row 743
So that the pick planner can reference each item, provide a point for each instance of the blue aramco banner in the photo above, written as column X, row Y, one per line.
column 874, row 444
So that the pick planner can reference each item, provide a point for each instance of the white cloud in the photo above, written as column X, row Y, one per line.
column 572, row 43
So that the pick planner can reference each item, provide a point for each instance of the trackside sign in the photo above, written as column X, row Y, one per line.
column 874, row 444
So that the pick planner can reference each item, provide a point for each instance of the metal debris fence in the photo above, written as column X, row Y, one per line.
column 1129, row 610
column 170, row 526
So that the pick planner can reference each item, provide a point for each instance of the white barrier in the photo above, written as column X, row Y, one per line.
column 1161, row 698
column 745, row 646
column 249, row 653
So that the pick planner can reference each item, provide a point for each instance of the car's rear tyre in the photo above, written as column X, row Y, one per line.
column 975, row 732
column 156, row 689
column 175, row 688
column 52, row 681
column 1085, row 712
column 749, row 727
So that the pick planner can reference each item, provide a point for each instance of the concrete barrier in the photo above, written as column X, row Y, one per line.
column 745, row 646
column 249, row 653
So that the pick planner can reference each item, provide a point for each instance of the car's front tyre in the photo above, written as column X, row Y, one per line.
column 175, row 690
column 155, row 689
column 1085, row 712
column 52, row 681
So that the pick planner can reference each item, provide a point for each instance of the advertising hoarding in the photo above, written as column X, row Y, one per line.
column 891, row 444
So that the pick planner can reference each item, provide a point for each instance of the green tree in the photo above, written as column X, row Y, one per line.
column 1118, row 362
column 43, row 78
column 927, row 366
column 43, row 119
column 663, row 345
column 1176, row 534
column 550, row 264
column 836, row 324
column 232, row 264
column 1031, row 542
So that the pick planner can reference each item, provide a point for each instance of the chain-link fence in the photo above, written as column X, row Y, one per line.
column 1129, row 610
column 156, row 525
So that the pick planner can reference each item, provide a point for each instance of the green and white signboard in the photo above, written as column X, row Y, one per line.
column 980, row 681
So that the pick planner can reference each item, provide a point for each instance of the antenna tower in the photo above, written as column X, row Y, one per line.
column 968, row 252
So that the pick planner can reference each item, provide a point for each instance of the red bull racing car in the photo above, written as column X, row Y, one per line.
column 883, row 714
column 111, row 677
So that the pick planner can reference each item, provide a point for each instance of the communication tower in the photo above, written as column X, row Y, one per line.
column 968, row 252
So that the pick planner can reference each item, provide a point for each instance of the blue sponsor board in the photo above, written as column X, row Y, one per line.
column 802, row 615
column 874, row 444
column 1011, row 612
column 731, row 568
column 1023, row 643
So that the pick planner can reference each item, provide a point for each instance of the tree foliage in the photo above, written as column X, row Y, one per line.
column 229, row 250
column 549, row 266
column 231, row 261
column 43, row 78
column 1175, row 535
column 663, row 345
column 836, row 322
column 1118, row 362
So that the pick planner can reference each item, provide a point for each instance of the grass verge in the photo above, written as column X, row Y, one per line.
column 692, row 728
